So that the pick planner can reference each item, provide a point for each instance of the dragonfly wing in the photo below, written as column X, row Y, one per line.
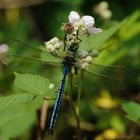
column 108, row 76
column 26, row 56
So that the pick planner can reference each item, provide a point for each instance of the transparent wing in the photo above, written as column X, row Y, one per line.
column 107, row 76
column 31, row 58
column 25, row 57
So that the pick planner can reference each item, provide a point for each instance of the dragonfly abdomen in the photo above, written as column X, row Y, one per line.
column 58, row 100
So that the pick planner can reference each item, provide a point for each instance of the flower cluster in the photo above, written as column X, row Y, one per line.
column 84, row 24
column 53, row 45
column 76, row 25
column 85, row 62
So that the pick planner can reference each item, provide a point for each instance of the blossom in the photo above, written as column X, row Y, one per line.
column 102, row 9
column 88, row 59
column 54, row 40
column 88, row 21
column 83, row 24
column 53, row 44
column 85, row 62
column 84, row 65
column 74, row 17
column 50, row 48
column 83, row 53
column 4, row 48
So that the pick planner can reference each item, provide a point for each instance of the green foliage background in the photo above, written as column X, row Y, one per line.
column 105, row 112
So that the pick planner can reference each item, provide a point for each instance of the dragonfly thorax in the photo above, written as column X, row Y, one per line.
column 71, row 54
column 68, row 61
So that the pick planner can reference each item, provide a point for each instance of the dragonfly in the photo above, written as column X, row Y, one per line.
column 68, row 61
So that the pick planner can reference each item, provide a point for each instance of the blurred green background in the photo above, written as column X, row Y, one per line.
column 108, row 109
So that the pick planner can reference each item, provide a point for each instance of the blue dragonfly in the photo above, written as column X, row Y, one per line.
column 68, row 61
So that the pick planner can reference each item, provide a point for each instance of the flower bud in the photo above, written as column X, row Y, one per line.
column 84, row 65
column 54, row 40
column 51, row 86
column 88, row 59
column 83, row 53
column 93, row 30
column 47, row 43
column 95, row 53
column 4, row 48
column 58, row 45
column 50, row 48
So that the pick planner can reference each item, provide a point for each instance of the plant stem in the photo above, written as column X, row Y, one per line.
column 77, row 117
column 79, row 93
column 78, row 104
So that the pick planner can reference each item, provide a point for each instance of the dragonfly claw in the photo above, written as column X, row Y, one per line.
column 50, row 132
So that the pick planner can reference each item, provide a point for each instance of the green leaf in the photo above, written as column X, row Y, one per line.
column 95, row 41
column 132, row 110
column 15, row 120
column 16, row 99
column 33, row 84
column 131, row 24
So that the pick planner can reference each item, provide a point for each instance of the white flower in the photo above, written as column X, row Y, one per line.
column 73, row 17
column 53, row 45
column 51, row 86
column 102, row 9
column 83, row 53
column 58, row 45
column 85, row 62
column 84, row 65
column 104, row 4
column 106, row 14
column 94, row 30
column 54, row 40
column 84, row 24
column 47, row 43
column 50, row 48
column 88, row 59
column 4, row 48
column 88, row 21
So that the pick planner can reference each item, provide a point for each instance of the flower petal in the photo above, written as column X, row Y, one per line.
column 94, row 30
column 88, row 21
column 50, row 48
column 54, row 40
column 88, row 59
column 73, row 17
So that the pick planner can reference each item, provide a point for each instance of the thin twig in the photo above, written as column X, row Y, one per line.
column 42, row 120
column 73, row 107
column 78, row 104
